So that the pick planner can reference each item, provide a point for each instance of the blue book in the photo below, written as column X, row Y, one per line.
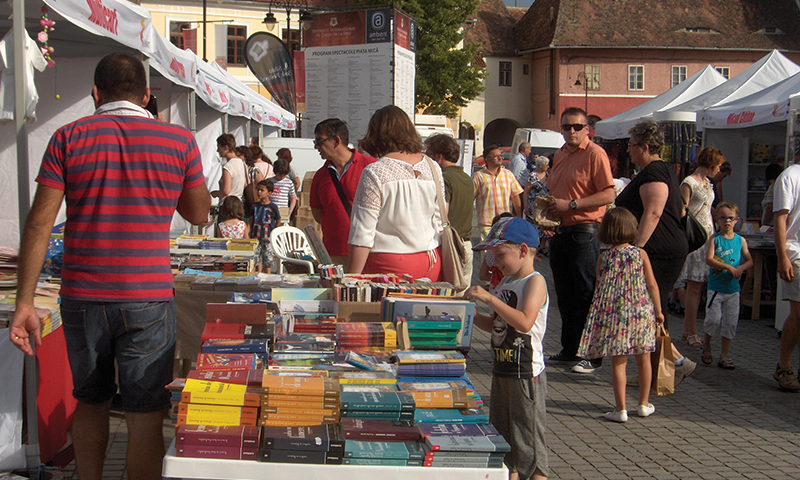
column 450, row 415
column 237, row 345
column 377, row 401
column 456, row 429
column 393, row 462
column 397, row 450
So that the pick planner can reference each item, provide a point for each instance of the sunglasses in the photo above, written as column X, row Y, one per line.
column 319, row 141
column 573, row 126
column 727, row 219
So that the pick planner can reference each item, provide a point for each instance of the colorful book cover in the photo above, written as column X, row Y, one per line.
column 450, row 415
column 360, row 361
column 377, row 401
column 320, row 386
column 236, row 345
column 367, row 388
column 429, row 356
column 441, row 398
column 362, row 377
column 217, row 436
column 218, row 393
column 240, row 377
column 225, row 361
column 464, row 309
column 398, row 450
column 379, row 430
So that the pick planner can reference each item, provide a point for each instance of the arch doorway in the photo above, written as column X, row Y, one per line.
column 466, row 131
column 500, row 132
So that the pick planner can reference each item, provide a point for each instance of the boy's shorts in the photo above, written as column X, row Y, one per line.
column 264, row 254
column 722, row 314
column 518, row 412
column 139, row 336
column 791, row 290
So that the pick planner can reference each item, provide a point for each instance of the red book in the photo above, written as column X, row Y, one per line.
column 215, row 436
column 201, row 451
column 224, row 361
column 221, row 331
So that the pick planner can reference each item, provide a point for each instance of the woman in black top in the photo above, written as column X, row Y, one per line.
column 654, row 198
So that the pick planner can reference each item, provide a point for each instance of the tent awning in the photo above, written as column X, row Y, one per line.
column 765, row 106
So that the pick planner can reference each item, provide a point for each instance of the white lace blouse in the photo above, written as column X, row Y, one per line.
column 395, row 209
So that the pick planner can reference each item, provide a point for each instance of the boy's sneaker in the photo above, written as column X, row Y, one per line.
column 645, row 410
column 786, row 379
column 586, row 366
column 560, row 358
column 685, row 370
column 615, row 416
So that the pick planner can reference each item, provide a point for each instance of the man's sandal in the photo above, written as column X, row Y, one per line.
column 726, row 364
column 706, row 358
column 693, row 341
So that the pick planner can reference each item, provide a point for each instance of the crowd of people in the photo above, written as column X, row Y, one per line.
column 379, row 213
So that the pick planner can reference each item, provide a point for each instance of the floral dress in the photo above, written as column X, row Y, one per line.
column 538, row 187
column 621, row 320
column 232, row 231
column 695, row 267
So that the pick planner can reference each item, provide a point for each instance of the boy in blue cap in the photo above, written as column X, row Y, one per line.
column 517, row 325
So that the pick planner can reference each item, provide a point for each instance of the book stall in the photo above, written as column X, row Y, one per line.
column 363, row 377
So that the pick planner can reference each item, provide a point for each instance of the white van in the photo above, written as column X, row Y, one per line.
column 543, row 142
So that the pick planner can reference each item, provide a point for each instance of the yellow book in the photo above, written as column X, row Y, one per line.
column 218, row 393
column 441, row 398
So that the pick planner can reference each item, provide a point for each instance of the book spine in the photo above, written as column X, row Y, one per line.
column 200, row 451
column 299, row 411
column 242, row 400
column 183, row 419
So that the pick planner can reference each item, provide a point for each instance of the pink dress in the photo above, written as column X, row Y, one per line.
column 232, row 231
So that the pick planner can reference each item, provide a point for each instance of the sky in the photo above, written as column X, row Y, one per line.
column 518, row 3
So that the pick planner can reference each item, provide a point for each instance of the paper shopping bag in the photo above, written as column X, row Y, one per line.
column 663, row 364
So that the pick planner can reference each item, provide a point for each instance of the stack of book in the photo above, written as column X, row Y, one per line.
column 257, row 346
column 393, row 307
column 312, row 324
column 383, row 453
column 377, row 405
column 428, row 332
column 303, row 349
column 237, row 331
column 205, row 441
column 299, row 400
column 365, row 381
column 205, row 402
column 228, row 361
column 354, row 335
column 473, row 451
column 429, row 363
column 320, row 444
column 426, row 384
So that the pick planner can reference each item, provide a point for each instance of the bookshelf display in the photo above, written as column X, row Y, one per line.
column 761, row 155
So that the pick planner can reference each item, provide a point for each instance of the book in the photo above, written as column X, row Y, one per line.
column 315, row 438
column 367, row 388
column 432, row 370
column 319, row 386
column 431, row 322
column 375, row 430
column 222, row 421
column 405, row 357
column 428, row 385
column 456, row 429
column 204, row 451
column 311, row 422
column 360, row 361
column 398, row 450
column 218, row 393
column 450, row 415
column 383, row 461
column 377, row 415
column 240, row 377
column 210, row 411
column 213, row 330
column 217, row 436
column 364, row 377
column 236, row 345
column 225, row 361
column 456, row 398
column 452, row 463
column 464, row 309
column 466, row 456
column 299, row 456
column 308, row 402
column 308, row 419
column 463, row 443
column 298, row 410
column 377, row 401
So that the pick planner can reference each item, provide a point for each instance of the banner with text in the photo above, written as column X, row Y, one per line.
column 271, row 62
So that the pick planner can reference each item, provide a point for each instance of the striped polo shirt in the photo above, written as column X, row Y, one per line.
column 121, row 175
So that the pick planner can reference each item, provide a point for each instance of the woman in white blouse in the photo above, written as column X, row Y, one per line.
column 395, row 217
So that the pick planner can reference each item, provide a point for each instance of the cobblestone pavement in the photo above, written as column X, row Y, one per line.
column 719, row 424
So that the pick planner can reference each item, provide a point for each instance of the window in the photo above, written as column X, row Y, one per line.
column 236, row 37
column 505, row 74
column 547, row 77
column 592, row 76
column 678, row 74
column 293, row 42
column 635, row 77
column 724, row 71
column 176, row 33
column 526, row 69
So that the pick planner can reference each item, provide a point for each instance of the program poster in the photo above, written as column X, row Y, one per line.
column 349, row 73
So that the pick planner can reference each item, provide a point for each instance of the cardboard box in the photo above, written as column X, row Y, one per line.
column 359, row 311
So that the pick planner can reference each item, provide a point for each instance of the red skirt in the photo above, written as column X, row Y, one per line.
column 417, row 265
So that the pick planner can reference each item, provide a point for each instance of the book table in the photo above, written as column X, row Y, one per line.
column 212, row 468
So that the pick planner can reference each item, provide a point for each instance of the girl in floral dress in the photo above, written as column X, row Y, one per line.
column 234, row 226
column 625, row 309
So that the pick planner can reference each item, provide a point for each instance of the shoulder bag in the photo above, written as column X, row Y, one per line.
column 453, row 252
column 695, row 233
column 345, row 202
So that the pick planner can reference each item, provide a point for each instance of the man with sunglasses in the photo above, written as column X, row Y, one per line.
column 582, row 184
column 334, row 185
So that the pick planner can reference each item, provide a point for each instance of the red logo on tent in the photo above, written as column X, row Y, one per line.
column 177, row 67
column 102, row 16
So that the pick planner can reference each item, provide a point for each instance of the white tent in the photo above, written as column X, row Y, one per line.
column 769, row 70
column 617, row 127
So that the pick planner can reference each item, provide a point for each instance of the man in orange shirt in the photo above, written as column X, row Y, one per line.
column 582, row 185
column 496, row 190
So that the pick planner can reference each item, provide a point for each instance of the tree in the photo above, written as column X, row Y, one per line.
column 447, row 76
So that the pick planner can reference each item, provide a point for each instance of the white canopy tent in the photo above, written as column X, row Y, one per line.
column 616, row 127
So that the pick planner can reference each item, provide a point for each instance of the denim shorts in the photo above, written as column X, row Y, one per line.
column 139, row 336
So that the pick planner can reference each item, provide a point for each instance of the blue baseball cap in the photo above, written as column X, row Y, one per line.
column 510, row 229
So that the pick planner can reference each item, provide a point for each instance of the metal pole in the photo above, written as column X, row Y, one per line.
column 205, row 25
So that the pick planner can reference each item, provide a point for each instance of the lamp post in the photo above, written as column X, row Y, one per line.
column 304, row 16
column 585, row 83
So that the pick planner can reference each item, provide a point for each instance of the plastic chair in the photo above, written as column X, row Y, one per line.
column 285, row 240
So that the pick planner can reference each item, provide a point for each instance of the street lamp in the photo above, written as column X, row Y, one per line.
column 304, row 15
column 582, row 75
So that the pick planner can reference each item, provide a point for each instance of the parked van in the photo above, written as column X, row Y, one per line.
column 543, row 142
column 430, row 125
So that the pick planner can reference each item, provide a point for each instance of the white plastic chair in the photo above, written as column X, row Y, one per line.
column 286, row 239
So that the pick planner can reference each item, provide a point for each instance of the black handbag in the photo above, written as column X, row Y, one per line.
column 695, row 233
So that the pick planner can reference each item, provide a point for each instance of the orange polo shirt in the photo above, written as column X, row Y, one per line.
column 580, row 174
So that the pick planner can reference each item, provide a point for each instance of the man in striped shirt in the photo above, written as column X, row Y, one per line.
column 496, row 190
column 123, row 175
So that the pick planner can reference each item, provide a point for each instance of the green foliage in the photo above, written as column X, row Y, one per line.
column 446, row 75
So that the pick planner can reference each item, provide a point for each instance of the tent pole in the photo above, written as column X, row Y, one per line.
column 24, row 198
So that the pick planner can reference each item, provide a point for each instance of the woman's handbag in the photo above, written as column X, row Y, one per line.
column 695, row 233
column 663, row 364
column 542, row 215
column 453, row 252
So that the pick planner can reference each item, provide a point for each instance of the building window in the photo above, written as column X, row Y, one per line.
column 505, row 74
column 526, row 69
column 592, row 76
column 293, row 40
column 236, row 37
column 635, row 77
column 176, row 33
column 678, row 74
column 547, row 77
column 724, row 71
